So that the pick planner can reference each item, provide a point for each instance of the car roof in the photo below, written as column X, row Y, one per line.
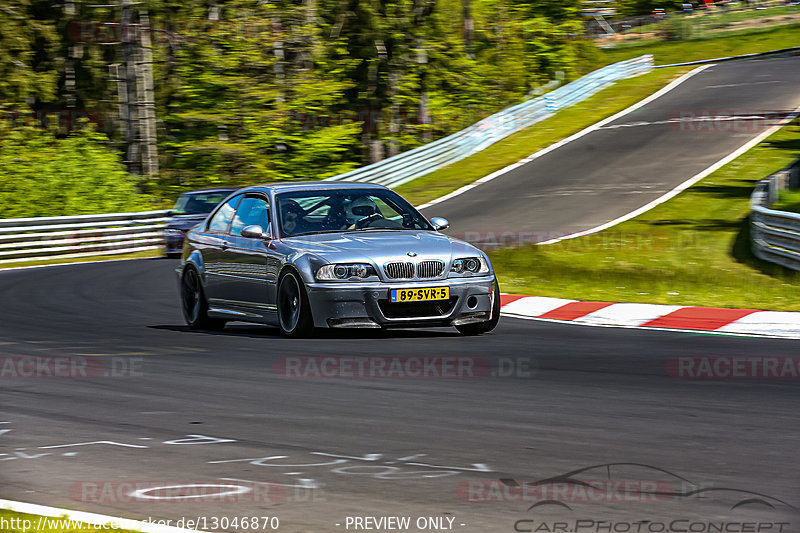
column 212, row 189
column 312, row 186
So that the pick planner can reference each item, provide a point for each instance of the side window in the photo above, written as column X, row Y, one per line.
column 251, row 211
column 222, row 218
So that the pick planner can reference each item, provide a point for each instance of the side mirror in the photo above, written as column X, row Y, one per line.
column 254, row 232
column 440, row 223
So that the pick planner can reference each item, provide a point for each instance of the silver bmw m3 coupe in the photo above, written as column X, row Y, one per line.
column 332, row 255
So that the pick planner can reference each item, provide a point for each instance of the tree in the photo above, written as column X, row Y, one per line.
column 27, row 43
column 253, row 91
column 256, row 100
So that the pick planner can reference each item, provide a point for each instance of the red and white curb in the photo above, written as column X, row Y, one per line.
column 109, row 523
column 668, row 317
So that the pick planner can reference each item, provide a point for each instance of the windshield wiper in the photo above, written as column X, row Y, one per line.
column 313, row 233
column 381, row 229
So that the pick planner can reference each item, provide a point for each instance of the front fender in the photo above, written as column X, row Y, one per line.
column 306, row 265
column 196, row 260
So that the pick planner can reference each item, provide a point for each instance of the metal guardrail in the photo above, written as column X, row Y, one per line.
column 775, row 235
column 45, row 238
column 404, row 167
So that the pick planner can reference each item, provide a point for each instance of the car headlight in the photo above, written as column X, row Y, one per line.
column 345, row 271
column 469, row 265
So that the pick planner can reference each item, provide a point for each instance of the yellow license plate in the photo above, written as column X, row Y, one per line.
column 420, row 295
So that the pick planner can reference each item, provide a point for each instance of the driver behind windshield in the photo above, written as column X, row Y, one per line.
column 292, row 221
column 330, row 211
column 359, row 209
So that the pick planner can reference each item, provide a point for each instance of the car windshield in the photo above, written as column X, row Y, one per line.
column 199, row 203
column 336, row 210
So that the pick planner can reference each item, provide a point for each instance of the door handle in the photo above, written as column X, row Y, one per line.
column 225, row 245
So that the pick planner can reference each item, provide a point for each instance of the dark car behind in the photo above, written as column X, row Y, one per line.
column 190, row 209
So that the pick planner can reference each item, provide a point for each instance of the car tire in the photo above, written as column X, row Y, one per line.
column 479, row 328
column 194, row 303
column 294, row 311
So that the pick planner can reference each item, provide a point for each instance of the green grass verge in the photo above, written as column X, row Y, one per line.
column 788, row 201
column 16, row 523
column 727, row 44
column 540, row 135
column 691, row 250
column 137, row 255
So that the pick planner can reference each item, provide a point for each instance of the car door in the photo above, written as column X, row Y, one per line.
column 216, row 241
column 252, row 261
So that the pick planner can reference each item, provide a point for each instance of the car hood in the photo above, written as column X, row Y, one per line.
column 185, row 222
column 380, row 246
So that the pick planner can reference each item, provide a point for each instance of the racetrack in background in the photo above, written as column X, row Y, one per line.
column 632, row 160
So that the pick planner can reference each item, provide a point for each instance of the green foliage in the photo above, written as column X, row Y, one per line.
column 237, row 106
column 249, row 92
column 43, row 175
column 25, row 41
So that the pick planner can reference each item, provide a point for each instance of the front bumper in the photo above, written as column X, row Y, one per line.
column 366, row 304
column 173, row 242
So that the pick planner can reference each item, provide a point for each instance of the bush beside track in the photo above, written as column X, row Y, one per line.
column 692, row 250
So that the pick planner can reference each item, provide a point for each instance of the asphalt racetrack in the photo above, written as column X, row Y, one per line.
column 632, row 160
column 143, row 415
